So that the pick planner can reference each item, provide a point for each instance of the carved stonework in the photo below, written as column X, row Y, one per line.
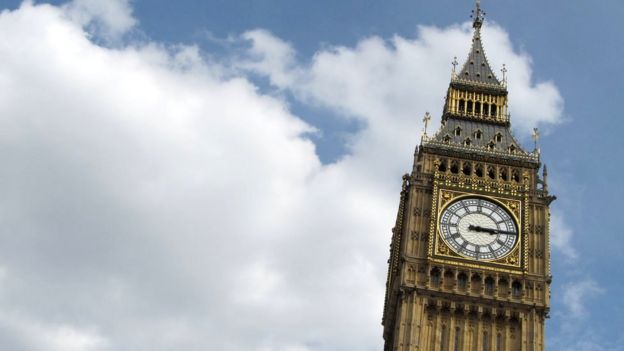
column 437, row 285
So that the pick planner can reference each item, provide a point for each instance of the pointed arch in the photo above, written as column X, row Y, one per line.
column 479, row 170
column 467, row 168
column 515, row 175
column 457, row 131
column 443, row 166
column 478, row 134
column 454, row 167
column 491, row 172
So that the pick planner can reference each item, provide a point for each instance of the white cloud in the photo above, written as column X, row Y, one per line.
column 25, row 334
column 165, row 207
column 573, row 332
column 561, row 236
column 577, row 294
column 398, row 79
column 109, row 19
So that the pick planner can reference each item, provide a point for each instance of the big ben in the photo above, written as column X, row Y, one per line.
column 469, row 266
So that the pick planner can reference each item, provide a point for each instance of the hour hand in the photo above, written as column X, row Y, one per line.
column 477, row 228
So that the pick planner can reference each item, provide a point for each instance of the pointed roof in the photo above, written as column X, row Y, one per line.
column 477, row 69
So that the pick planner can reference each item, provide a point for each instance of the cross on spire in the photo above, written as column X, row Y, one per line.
column 504, row 70
column 477, row 15
column 454, row 63
column 426, row 120
column 536, row 136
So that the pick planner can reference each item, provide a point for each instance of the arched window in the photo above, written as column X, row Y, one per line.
column 493, row 109
column 477, row 108
column 469, row 109
column 491, row 173
column 454, row 167
column 462, row 105
column 478, row 134
column 512, row 148
column 491, row 145
column 479, row 170
column 458, row 338
column 442, row 167
column 499, row 342
column 516, row 289
column 457, row 131
column 486, row 109
column 498, row 137
column 489, row 286
column 503, row 174
column 447, row 139
column 515, row 175
column 462, row 281
column 467, row 142
column 467, row 168
column 435, row 277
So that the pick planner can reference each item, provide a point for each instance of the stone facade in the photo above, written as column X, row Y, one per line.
column 439, row 298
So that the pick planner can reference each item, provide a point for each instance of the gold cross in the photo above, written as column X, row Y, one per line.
column 426, row 120
column 504, row 70
column 536, row 136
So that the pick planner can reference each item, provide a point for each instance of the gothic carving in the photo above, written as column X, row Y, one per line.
column 437, row 299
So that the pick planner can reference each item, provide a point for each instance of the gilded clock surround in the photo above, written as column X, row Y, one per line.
column 441, row 301
column 440, row 248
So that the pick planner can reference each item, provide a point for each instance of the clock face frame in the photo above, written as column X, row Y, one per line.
column 478, row 228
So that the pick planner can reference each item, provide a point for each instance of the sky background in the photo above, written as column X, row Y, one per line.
column 224, row 175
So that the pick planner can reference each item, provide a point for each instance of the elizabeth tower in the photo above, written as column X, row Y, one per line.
column 469, row 266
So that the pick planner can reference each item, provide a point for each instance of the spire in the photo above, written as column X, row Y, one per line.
column 477, row 69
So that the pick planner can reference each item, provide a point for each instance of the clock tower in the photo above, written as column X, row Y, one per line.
column 469, row 266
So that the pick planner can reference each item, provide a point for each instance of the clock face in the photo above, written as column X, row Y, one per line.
column 478, row 228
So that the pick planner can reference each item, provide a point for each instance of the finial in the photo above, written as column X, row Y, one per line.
column 536, row 136
column 426, row 120
column 477, row 15
column 504, row 70
column 454, row 63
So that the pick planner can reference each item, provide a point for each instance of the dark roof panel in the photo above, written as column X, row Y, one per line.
column 469, row 130
column 477, row 69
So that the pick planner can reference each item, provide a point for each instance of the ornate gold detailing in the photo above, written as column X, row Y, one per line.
column 469, row 183
column 446, row 197
column 512, row 259
column 514, row 207
column 439, row 249
column 445, row 250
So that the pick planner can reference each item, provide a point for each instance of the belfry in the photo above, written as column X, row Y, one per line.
column 469, row 266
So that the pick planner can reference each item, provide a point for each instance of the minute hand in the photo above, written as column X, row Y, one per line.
column 489, row 230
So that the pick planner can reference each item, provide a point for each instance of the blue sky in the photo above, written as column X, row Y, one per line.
column 111, row 169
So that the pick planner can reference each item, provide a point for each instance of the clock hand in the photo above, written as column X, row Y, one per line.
column 489, row 230
column 477, row 228
column 506, row 232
